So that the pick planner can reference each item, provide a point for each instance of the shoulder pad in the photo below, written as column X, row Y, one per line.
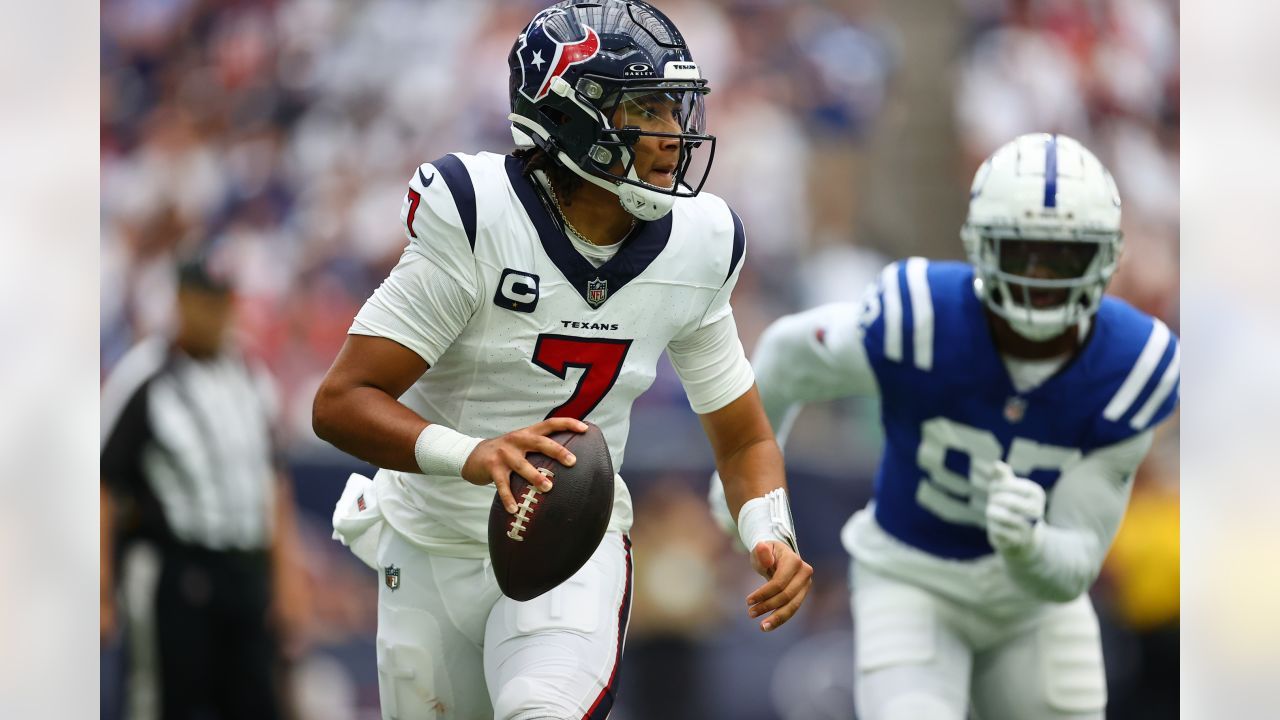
column 441, row 201
column 138, row 366
column 1149, row 391
column 898, row 314
column 739, row 244
column 725, row 237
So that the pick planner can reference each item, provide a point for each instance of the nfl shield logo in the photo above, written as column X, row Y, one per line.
column 597, row 291
column 392, row 575
column 1014, row 408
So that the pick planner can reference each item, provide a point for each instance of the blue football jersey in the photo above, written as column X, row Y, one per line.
column 950, row 409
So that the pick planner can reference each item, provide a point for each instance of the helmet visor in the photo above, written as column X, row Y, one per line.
column 654, row 130
column 1045, row 273
column 1046, row 259
column 670, row 110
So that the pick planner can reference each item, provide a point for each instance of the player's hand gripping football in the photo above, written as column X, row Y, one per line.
column 494, row 460
column 1015, row 509
column 789, row 578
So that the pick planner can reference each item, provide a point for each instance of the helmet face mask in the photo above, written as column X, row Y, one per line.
column 665, row 111
column 591, row 82
column 1042, row 287
column 1043, row 234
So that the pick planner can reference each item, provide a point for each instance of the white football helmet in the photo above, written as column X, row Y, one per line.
column 1050, row 189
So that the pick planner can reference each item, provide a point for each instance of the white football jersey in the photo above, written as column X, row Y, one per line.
column 517, row 326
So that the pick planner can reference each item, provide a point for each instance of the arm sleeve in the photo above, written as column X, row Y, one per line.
column 120, row 461
column 1085, row 510
column 719, row 306
column 708, row 356
column 420, row 305
column 712, row 365
column 125, row 420
column 810, row 356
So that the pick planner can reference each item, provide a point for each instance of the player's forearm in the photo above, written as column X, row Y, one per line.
column 1086, row 507
column 751, row 472
column 1061, row 566
column 778, row 394
column 368, row 423
column 815, row 355
column 747, row 457
column 780, row 405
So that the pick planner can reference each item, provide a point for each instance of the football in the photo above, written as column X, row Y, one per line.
column 553, row 534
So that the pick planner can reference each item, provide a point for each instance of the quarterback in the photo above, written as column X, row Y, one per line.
column 539, row 289
column 1017, row 402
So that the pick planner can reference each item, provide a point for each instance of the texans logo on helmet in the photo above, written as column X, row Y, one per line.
column 543, row 58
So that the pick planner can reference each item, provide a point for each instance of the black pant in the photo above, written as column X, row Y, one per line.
column 216, row 651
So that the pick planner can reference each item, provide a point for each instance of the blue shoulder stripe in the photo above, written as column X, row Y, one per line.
column 464, row 193
column 739, row 245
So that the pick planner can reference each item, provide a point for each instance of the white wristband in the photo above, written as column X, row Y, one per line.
column 767, row 518
column 441, row 451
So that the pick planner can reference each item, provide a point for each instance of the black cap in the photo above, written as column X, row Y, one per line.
column 197, row 273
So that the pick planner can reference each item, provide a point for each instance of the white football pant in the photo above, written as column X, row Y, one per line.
column 920, row 656
column 451, row 646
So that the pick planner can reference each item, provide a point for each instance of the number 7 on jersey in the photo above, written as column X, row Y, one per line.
column 600, row 359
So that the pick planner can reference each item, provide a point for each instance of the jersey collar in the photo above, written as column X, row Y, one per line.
column 595, row 285
column 1056, row 385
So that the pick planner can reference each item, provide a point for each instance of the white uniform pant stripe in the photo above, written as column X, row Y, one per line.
column 139, row 585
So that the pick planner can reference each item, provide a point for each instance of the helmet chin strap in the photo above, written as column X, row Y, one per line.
column 642, row 203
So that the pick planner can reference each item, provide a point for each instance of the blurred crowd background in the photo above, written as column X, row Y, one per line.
column 279, row 135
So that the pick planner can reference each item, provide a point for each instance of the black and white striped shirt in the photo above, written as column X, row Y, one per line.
column 189, row 441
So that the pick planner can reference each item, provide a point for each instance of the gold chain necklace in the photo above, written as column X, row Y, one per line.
column 563, row 216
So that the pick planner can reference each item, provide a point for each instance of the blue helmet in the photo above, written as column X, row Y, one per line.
column 575, row 70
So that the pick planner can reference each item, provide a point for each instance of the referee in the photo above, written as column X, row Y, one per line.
column 195, row 517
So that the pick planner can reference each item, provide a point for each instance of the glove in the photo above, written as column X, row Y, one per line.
column 1015, row 509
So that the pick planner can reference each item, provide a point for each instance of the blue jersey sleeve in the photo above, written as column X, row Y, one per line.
column 871, row 320
column 897, row 317
column 1146, row 390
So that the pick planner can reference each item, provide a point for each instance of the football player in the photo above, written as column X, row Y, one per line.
column 539, row 289
column 1017, row 402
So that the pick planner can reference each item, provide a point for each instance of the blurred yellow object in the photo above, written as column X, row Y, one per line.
column 1241, row 592
column 1144, row 561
